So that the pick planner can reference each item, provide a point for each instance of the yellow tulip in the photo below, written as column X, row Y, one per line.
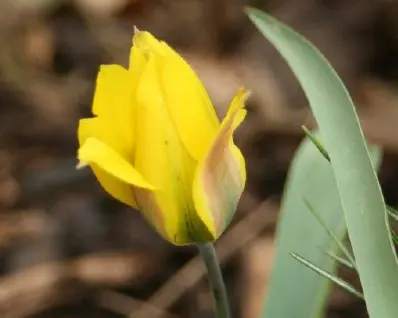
column 156, row 144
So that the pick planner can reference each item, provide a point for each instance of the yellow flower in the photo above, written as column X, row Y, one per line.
column 156, row 144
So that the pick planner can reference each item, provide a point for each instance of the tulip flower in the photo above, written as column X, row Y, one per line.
column 156, row 144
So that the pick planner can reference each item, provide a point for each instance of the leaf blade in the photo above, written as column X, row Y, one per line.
column 333, row 278
column 356, row 180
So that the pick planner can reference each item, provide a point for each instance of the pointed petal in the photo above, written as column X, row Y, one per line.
column 110, row 182
column 98, row 153
column 189, row 105
column 114, row 105
column 164, row 162
column 185, row 96
column 147, row 43
column 137, row 64
column 87, row 128
column 98, row 128
column 220, row 177
column 119, row 190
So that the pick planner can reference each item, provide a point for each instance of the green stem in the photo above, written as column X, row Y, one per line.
column 215, row 278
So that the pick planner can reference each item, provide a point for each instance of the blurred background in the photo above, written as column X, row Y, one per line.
column 69, row 250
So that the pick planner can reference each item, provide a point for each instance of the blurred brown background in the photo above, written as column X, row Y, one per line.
column 69, row 250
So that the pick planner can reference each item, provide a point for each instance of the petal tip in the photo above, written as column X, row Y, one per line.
column 81, row 164
column 243, row 94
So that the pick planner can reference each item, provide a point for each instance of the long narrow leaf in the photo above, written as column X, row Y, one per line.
column 316, row 142
column 394, row 237
column 330, row 232
column 392, row 212
column 298, row 231
column 333, row 278
column 341, row 261
column 357, row 184
column 310, row 176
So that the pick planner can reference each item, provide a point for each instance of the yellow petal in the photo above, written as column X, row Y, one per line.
column 147, row 43
column 121, row 191
column 137, row 64
column 220, row 177
column 189, row 105
column 87, row 128
column 113, row 129
column 185, row 96
column 98, row 128
column 98, row 153
column 164, row 162
column 95, row 153
column 114, row 105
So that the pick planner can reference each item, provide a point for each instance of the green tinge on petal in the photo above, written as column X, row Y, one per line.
column 220, row 178
column 187, row 227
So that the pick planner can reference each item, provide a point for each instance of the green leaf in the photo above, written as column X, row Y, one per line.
column 330, row 232
column 394, row 237
column 310, row 176
column 298, row 231
column 316, row 142
column 341, row 261
column 357, row 184
column 392, row 212
column 333, row 278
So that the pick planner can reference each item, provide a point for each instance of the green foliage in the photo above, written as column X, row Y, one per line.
column 331, row 234
column 358, row 191
column 333, row 278
column 310, row 177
